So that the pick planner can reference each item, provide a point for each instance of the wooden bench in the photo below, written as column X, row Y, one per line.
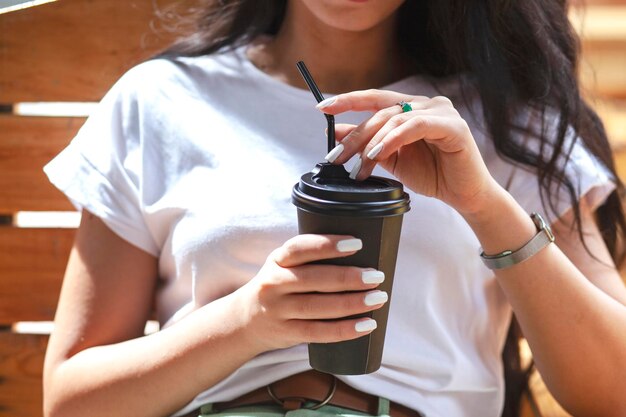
column 66, row 51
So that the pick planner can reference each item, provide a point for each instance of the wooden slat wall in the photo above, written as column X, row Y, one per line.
column 73, row 50
column 597, row 2
column 32, row 262
column 70, row 50
column 21, row 362
column 26, row 145
column 603, row 67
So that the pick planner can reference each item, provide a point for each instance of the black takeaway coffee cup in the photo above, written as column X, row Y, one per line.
column 329, row 202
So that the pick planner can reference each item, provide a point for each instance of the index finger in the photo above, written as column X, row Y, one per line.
column 363, row 100
column 307, row 248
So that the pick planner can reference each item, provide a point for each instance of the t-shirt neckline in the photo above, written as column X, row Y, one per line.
column 280, row 86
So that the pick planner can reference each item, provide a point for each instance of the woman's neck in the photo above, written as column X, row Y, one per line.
column 339, row 60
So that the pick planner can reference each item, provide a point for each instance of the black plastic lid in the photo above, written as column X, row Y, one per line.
column 328, row 189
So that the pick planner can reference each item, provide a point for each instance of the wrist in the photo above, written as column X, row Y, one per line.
column 243, row 322
column 477, row 207
column 510, row 257
column 494, row 199
column 501, row 224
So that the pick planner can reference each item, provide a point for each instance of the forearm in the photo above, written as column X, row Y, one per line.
column 153, row 375
column 573, row 328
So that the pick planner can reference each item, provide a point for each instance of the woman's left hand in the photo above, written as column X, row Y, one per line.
column 430, row 149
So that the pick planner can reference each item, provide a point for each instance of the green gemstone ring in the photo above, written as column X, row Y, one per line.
column 405, row 106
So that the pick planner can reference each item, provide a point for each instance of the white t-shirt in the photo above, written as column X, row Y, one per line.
column 193, row 161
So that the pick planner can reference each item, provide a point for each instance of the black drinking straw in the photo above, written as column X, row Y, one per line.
column 330, row 119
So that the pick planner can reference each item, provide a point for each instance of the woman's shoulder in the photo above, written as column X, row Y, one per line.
column 161, row 74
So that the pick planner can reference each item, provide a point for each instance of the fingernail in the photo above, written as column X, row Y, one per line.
column 334, row 154
column 365, row 325
column 325, row 103
column 356, row 168
column 375, row 151
column 372, row 277
column 349, row 245
column 374, row 298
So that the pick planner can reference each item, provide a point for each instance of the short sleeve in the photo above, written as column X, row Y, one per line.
column 101, row 169
column 591, row 180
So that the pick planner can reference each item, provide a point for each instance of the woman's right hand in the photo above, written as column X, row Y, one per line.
column 291, row 301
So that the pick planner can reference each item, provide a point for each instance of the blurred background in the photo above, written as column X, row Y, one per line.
column 602, row 26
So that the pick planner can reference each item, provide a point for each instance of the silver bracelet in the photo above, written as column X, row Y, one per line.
column 509, row 258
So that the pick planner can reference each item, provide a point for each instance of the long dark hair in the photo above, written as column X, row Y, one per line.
column 522, row 55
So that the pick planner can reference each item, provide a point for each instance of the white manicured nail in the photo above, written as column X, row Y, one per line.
column 372, row 277
column 365, row 325
column 325, row 103
column 334, row 154
column 375, row 297
column 349, row 245
column 375, row 151
column 356, row 168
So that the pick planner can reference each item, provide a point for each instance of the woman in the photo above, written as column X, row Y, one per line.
column 184, row 177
